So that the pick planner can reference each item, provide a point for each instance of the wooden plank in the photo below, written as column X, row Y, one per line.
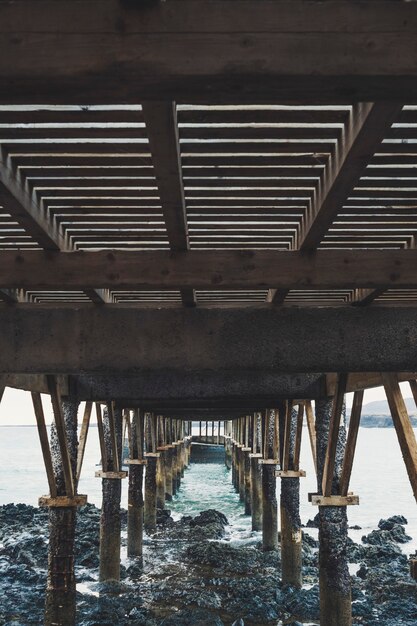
column 162, row 129
column 103, row 447
column 335, row 500
column 330, row 460
column 83, row 439
column 287, row 437
column 209, row 269
column 70, row 486
column 311, row 431
column 62, row 501
column 44, row 441
column 239, row 51
column 354, row 422
column 298, row 436
column 113, row 437
column 404, row 430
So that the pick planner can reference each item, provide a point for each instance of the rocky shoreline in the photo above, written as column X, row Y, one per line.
column 191, row 575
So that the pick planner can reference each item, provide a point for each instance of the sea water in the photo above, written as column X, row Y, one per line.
column 379, row 478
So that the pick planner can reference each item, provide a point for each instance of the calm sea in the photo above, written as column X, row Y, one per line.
column 379, row 478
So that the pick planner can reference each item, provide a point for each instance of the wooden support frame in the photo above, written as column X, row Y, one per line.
column 285, row 462
column 352, row 437
column 311, row 426
column 111, row 475
column 44, row 441
column 83, row 439
column 290, row 474
column 298, row 436
column 70, row 484
column 402, row 423
column 335, row 500
column 329, row 464
column 113, row 437
column 62, row 501
column 103, row 448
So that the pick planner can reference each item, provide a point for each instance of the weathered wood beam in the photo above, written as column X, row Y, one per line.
column 44, row 441
column 330, row 459
column 402, row 423
column 70, row 485
column 348, row 459
column 162, row 129
column 369, row 124
column 364, row 380
column 240, row 51
column 67, row 340
column 206, row 269
column 311, row 425
column 83, row 439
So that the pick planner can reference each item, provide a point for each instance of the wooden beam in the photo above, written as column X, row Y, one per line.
column 364, row 380
column 311, row 431
column 113, row 437
column 330, row 460
column 162, row 129
column 287, row 437
column 44, row 441
column 354, row 422
column 83, row 439
column 298, row 436
column 404, row 430
column 62, row 436
column 239, row 51
column 209, row 269
column 369, row 124
column 103, row 447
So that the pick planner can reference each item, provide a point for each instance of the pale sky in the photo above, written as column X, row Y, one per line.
column 16, row 406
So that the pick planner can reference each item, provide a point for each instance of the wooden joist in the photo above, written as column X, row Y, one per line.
column 209, row 269
column 70, row 485
column 404, row 430
column 354, row 422
column 330, row 459
column 162, row 128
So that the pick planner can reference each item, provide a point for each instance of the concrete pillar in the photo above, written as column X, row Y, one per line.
column 60, row 590
column 256, row 490
column 110, row 522
column 269, row 506
column 149, row 521
column 291, row 544
column 335, row 586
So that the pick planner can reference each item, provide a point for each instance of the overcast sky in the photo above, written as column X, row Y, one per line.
column 16, row 406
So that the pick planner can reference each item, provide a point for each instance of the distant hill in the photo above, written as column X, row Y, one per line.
column 376, row 414
column 380, row 407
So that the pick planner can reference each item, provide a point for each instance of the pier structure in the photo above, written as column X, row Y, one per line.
column 207, row 212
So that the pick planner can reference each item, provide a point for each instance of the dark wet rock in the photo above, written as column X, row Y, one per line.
column 388, row 524
column 379, row 537
column 309, row 541
column 196, row 617
column 225, row 558
column 301, row 603
column 238, row 622
column 211, row 516
column 355, row 527
column 313, row 523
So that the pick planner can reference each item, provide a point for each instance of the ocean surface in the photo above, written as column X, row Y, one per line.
column 379, row 478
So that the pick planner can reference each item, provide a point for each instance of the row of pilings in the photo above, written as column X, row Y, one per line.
column 263, row 446
column 157, row 454
column 258, row 448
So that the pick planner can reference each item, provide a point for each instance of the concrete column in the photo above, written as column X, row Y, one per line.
column 247, row 477
column 135, row 494
column 256, row 490
column 335, row 586
column 269, row 506
column 149, row 521
column 291, row 545
column 110, row 522
column 60, row 590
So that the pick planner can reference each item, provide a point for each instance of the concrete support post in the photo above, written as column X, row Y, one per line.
column 60, row 590
column 269, row 506
column 152, row 459
column 335, row 586
column 110, row 522
column 256, row 490
column 291, row 536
